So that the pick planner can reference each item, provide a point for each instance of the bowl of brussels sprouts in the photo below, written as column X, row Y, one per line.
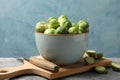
column 61, row 41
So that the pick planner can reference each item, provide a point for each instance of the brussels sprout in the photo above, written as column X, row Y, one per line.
column 51, row 18
column 49, row 31
column 89, row 60
column 73, row 30
column 41, row 26
column 66, row 24
column 52, row 26
column 80, row 32
column 91, row 53
column 94, row 54
column 115, row 66
column 40, row 29
column 62, row 21
column 83, row 25
column 62, row 18
column 83, row 30
column 61, row 30
column 53, row 23
column 74, row 25
column 100, row 69
column 41, row 22
column 99, row 56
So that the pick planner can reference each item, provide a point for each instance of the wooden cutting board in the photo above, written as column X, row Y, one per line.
column 28, row 68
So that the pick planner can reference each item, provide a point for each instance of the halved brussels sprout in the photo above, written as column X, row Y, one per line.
column 89, row 60
column 91, row 53
column 101, row 69
column 115, row 66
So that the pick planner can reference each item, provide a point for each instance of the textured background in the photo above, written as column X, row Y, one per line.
column 18, row 19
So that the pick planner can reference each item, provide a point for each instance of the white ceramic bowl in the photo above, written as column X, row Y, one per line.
column 62, row 49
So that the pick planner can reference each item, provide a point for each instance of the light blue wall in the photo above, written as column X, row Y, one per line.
column 18, row 18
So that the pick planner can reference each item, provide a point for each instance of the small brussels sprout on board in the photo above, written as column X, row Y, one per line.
column 100, row 69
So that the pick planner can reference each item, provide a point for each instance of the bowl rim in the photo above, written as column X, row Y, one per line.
column 61, row 34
